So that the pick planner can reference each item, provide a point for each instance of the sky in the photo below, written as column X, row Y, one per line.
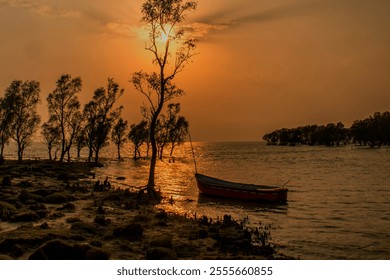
column 261, row 65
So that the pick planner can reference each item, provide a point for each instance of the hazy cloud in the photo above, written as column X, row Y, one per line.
column 41, row 7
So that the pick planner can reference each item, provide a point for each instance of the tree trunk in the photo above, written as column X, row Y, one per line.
column 97, row 156
column 119, row 151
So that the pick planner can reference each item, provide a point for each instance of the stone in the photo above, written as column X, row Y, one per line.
column 130, row 231
column 100, row 220
column 165, row 242
column 160, row 253
column 84, row 227
column 56, row 198
column 57, row 250
column 5, row 257
column 27, row 196
column 25, row 217
column 6, row 181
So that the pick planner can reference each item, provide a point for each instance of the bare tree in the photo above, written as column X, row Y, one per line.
column 64, row 110
column 166, row 36
column 21, row 99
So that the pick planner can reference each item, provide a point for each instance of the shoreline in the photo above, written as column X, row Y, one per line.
column 48, row 210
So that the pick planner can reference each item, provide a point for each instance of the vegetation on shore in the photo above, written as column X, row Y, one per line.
column 51, row 210
column 373, row 131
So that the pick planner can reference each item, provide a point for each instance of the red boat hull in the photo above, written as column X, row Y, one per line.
column 215, row 187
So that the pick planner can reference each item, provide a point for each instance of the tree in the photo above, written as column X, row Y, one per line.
column 163, row 18
column 178, row 133
column 21, row 99
column 64, row 110
column 119, row 135
column 81, row 141
column 5, row 121
column 138, row 135
column 100, row 115
column 171, row 129
column 52, row 136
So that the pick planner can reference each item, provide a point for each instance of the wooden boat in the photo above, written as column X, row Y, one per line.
column 216, row 187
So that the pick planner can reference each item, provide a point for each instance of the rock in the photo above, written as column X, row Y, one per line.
column 26, row 184
column 44, row 191
column 162, row 215
column 131, row 231
column 56, row 250
column 91, row 253
column 44, row 226
column 121, row 178
column 42, row 213
column 160, row 253
column 96, row 243
column 68, row 207
column 27, row 196
column 72, row 220
column 203, row 234
column 67, row 177
column 6, row 181
column 84, row 227
column 59, row 250
column 25, row 217
column 6, row 210
column 141, row 219
column 56, row 198
column 5, row 257
column 100, row 220
column 165, row 242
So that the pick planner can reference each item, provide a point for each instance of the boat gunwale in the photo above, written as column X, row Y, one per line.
column 222, row 184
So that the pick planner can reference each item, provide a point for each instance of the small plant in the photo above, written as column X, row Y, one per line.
column 262, row 235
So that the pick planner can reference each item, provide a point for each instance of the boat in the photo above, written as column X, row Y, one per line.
column 216, row 187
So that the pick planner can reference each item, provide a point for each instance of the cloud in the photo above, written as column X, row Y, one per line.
column 202, row 30
column 44, row 8
column 124, row 29
column 238, row 14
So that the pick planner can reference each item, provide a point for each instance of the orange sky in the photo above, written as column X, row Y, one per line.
column 262, row 64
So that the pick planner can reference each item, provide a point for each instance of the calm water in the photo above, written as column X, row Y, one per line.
column 338, row 202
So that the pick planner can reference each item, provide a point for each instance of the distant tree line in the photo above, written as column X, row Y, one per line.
column 71, row 126
column 373, row 131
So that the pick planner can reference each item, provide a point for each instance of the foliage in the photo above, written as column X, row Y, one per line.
column 64, row 111
column 100, row 115
column 119, row 135
column 373, row 131
column 163, row 18
column 171, row 129
column 5, row 121
column 21, row 100
column 52, row 136
column 138, row 135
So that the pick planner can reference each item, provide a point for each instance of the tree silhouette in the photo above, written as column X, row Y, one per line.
column 163, row 18
column 171, row 129
column 64, row 110
column 138, row 135
column 52, row 136
column 119, row 135
column 5, row 122
column 100, row 115
column 21, row 99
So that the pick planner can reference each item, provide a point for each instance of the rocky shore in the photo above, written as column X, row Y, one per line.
column 50, row 210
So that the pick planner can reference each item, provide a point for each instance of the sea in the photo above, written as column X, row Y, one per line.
column 338, row 204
